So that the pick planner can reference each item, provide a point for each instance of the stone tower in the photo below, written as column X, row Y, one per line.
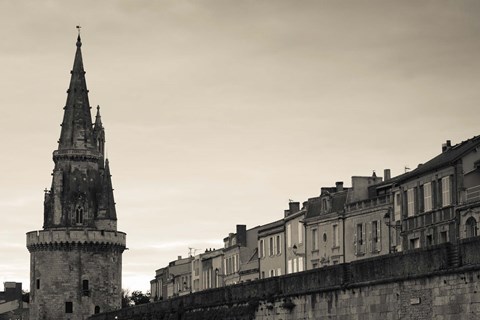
column 76, row 260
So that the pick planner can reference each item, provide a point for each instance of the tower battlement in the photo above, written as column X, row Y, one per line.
column 40, row 238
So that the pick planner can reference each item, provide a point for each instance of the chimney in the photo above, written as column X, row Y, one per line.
column 386, row 175
column 179, row 257
column 293, row 207
column 242, row 235
column 339, row 186
column 286, row 213
column 447, row 145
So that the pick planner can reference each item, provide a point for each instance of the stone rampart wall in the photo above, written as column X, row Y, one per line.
column 439, row 282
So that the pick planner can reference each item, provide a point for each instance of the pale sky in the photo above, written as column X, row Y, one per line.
column 219, row 112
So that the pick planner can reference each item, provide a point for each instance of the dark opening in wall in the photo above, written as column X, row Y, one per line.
column 68, row 307
column 85, row 288
column 97, row 309
column 38, row 284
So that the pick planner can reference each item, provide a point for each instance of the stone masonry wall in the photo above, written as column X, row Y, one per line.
column 442, row 282
column 61, row 274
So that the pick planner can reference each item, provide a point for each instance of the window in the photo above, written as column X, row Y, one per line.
column 471, row 227
column 429, row 240
column 85, row 288
column 68, row 307
column 79, row 215
column 314, row 239
column 289, row 266
column 97, row 309
column 270, row 247
column 360, row 234
column 324, row 205
column 278, row 245
column 443, row 236
column 414, row 243
column 300, row 264
column 374, row 235
column 295, row 265
column 324, row 237
column 279, row 271
column 300, row 232
column 261, row 249
column 335, row 235
column 359, row 239
column 410, row 202
column 421, row 199
column 427, row 196
column 272, row 273
column 446, row 196
column 398, row 206
column 38, row 283
column 289, row 235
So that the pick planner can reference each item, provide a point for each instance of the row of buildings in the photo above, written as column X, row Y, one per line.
column 437, row 202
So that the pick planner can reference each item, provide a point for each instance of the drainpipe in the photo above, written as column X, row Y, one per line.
column 343, row 236
column 305, row 244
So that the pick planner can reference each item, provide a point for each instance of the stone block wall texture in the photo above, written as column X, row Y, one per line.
column 61, row 274
column 422, row 284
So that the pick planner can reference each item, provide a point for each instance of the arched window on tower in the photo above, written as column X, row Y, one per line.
column 97, row 309
column 471, row 227
column 79, row 215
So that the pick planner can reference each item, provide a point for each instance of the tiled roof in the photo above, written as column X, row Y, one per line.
column 444, row 159
column 337, row 202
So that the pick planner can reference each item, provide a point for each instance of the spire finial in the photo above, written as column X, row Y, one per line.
column 79, row 41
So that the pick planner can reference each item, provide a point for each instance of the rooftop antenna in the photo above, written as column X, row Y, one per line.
column 190, row 250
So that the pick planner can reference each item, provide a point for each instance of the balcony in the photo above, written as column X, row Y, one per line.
column 473, row 194
column 368, row 203
column 428, row 218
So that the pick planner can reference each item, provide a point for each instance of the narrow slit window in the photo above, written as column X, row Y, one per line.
column 68, row 307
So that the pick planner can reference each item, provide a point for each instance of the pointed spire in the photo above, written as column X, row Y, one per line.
column 109, row 202
column 77, row 120
column 98, row 120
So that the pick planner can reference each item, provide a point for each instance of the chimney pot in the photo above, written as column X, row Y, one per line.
column 293, row 207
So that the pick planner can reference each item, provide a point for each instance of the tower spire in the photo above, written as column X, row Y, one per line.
column 77, row 120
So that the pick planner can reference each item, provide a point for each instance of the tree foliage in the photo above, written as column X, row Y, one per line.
column 135, row 298
column 138, row 297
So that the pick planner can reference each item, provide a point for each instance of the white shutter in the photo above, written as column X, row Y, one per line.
column 289, row 267
column 289, row 235
column 300, row 264
column 379, row 235
column 300, row 232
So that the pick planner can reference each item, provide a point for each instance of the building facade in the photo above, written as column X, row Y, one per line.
column 76, row 260
column 437, row 199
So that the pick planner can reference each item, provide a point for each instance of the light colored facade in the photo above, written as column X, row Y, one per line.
column 239, row 262
column 158, row 286
column 271, row 249
column 294, row 238
column 437, row 198
column 211, row 270
column 369, row 233
column 324, row 223
column 179, row 277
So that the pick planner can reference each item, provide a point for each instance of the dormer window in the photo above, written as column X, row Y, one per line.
column 325, row 205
